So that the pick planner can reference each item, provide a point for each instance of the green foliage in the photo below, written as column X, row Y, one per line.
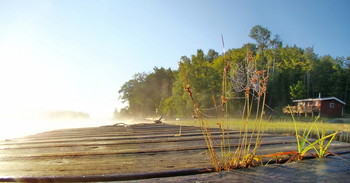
column 261, row 35
column 329, row 77
column 293, row 73
column 145, row 92
column 297, row 91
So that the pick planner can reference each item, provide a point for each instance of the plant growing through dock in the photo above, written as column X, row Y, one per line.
column 254, row 94
column 323, row 146
column 319, row 145
column 245, row 77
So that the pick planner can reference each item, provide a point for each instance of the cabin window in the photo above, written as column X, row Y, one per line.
column 331, row 105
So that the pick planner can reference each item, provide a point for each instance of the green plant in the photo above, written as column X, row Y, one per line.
column 319, row 145
column 302, row 139
column 322, row 146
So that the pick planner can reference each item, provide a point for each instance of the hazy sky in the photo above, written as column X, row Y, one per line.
column 75, row 55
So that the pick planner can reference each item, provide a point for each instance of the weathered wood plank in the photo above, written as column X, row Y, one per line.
column 117, row 150
column 330, row 169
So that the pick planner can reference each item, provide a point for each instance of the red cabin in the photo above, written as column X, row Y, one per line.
column 324, row 107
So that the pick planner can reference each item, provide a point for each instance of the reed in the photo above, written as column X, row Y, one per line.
column 244, row 155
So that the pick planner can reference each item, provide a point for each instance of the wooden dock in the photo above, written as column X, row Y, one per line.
column 110, row 153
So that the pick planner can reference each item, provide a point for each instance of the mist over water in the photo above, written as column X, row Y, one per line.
column 20, row 126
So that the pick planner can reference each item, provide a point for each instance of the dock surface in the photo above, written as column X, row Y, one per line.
column 120, row 152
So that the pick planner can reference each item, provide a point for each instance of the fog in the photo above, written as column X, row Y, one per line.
column 19, row 124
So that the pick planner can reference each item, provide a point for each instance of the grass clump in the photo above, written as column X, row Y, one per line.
column 255, row 84
column 320, row 145
column 323, row 145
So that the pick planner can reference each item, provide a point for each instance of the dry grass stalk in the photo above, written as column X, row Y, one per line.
column 245, row 153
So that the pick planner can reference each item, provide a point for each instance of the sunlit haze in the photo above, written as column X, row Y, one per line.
column 75, row 55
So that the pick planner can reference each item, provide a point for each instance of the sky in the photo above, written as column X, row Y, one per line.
column 75, row 55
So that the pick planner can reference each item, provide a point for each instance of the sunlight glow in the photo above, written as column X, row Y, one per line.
column 33, row 82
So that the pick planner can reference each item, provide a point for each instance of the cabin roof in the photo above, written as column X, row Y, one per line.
column 320, row 99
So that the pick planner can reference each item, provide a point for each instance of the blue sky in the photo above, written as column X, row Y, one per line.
column 75, row 55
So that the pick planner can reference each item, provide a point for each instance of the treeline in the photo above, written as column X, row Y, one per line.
column 294, row 73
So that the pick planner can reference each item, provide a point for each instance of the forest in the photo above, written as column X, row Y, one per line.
column 293, row 73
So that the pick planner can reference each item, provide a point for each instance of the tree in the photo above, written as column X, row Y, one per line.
column 321, row 76
column 204, row 79
column 211, row 55
column 297, row 91
column 310, row 58
column 261, row 35
column 275, row 44
column 145, row 92
column 132, row 93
